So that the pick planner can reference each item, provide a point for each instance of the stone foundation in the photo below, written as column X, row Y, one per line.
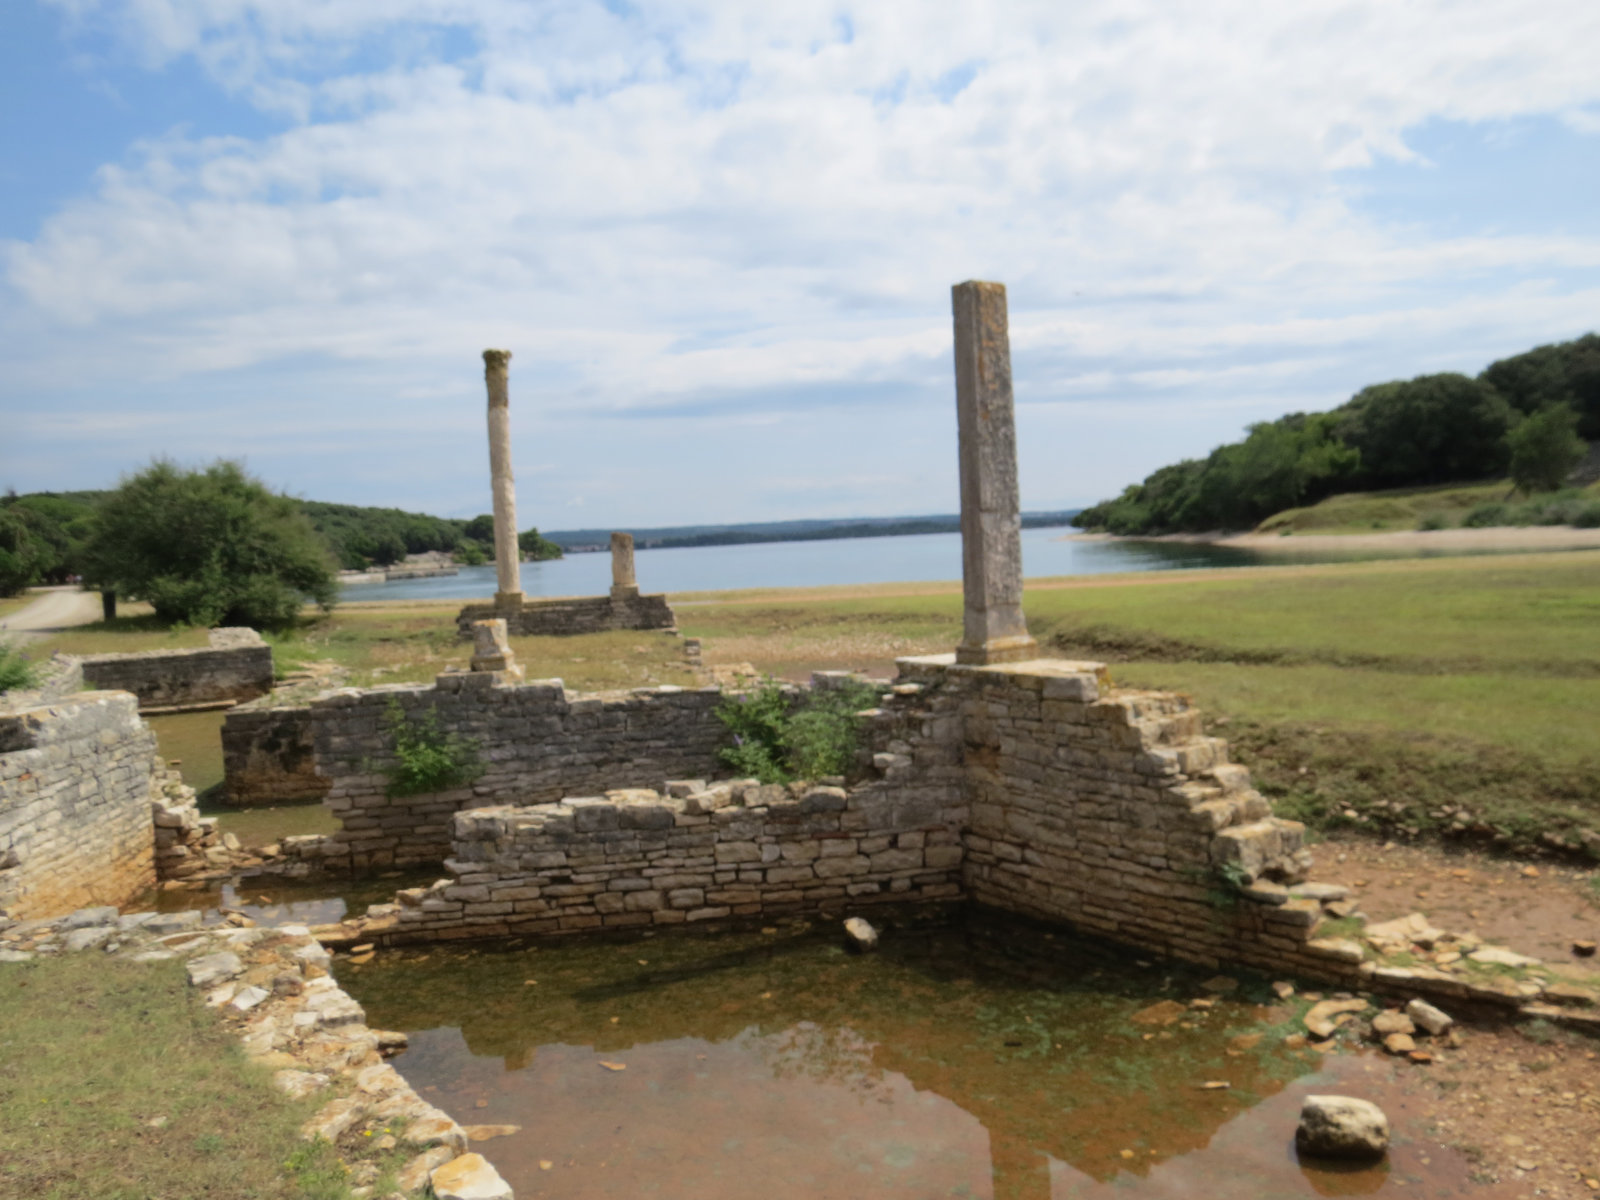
column 237, row 666
column 75, row 805
column 581, row 614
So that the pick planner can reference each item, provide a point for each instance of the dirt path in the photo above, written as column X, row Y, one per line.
column 56, row 609
column 1535, row 908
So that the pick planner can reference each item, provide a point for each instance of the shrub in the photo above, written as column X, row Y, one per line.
column 1588, row 516
column 1544, row 447
column 1433, row 521
column 16, row 672
column 779, row 736
column 426, row 758
column 1484, row 515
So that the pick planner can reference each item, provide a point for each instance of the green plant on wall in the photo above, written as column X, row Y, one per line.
column 779, row 737
column 426, row 759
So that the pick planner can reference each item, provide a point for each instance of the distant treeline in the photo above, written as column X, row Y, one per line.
column 42, row 536
column 1433, row 429
column 676, row 536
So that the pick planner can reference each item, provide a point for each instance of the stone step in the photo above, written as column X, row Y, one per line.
column 1230, row 777
column 1269, row 846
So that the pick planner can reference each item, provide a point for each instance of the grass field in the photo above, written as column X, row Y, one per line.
column 121, row 1085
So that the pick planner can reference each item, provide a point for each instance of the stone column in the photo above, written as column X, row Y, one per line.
column 507, row 555
column 623, row 584
column 993, row 627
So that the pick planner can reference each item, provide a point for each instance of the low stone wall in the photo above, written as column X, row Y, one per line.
column 634, row 857
column 1108, row 809
column 236, row 666
column 75, row 805
column 582, row 614
column 269, row 756
column 535, row 744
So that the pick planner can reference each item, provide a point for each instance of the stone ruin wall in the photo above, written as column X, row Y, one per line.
column 637, row 858
column 269, row 756
column 1032, row 788
column 1108, row 809
column 536, row 743
column 75, row 805
column 582, row 614
column 236, row 666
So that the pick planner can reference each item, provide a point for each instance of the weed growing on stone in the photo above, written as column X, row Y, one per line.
column 426, row 758
column 779, row 737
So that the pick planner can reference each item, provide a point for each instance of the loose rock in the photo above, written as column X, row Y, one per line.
column 862, row 936
column 1428, row 1018
column 469, row 1177
column 1342, row 1127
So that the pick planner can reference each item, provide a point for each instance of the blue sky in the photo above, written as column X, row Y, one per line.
column 719, row 240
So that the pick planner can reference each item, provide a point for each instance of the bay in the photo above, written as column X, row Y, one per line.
column 904, row 559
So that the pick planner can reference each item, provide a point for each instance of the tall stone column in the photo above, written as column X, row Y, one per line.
column 993, row 627
column 623, row 584
column 507, row 555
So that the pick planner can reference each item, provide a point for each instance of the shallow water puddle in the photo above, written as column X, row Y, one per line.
column 979, row 1059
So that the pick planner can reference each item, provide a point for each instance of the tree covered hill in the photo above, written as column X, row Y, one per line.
column 1526, row 414
column 43, row 535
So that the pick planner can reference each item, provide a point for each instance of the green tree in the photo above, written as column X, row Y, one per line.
column 480, row 529
column 1432, row 429
column 536, row 548
column 209, row 547
column 21, row 551
column 1544, row 448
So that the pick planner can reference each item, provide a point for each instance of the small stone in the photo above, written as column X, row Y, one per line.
column 1282, row 990
column 1342, row 1127
column 247, row 998
column 469, row 1177
column 860, row 934
column 1386, row 1023
column 415, row 1175
column 1583, row 949
column 1399, row 1043
column 482, row 1133
column 210, row 969
column 1428, row 1018
column 1319, row 1021
column 1220, row 984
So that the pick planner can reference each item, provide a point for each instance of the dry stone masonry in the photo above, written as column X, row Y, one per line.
column 534, row 741
column 634, row 857
column 236, row 667
column 75, row 805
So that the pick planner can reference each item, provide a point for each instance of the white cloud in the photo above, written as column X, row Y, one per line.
column 733, row 200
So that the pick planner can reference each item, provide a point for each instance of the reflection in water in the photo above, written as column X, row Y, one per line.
column 981, row 1059
column 270, row 901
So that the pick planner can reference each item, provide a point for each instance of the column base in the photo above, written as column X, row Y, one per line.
column 625, row 592
column 508, row 600
column 998, row 650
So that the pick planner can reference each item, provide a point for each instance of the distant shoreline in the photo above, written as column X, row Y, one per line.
column 1506, row 537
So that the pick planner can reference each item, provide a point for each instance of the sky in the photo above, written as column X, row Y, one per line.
column 719, row 237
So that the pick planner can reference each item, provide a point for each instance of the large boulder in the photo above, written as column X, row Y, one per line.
column 469, row 1177
column 1342, row 1127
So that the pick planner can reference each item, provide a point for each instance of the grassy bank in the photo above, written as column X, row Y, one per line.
column 121, row 1085
column 1443, row 507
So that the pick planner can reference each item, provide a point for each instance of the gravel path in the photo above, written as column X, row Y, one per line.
column 55, row 609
